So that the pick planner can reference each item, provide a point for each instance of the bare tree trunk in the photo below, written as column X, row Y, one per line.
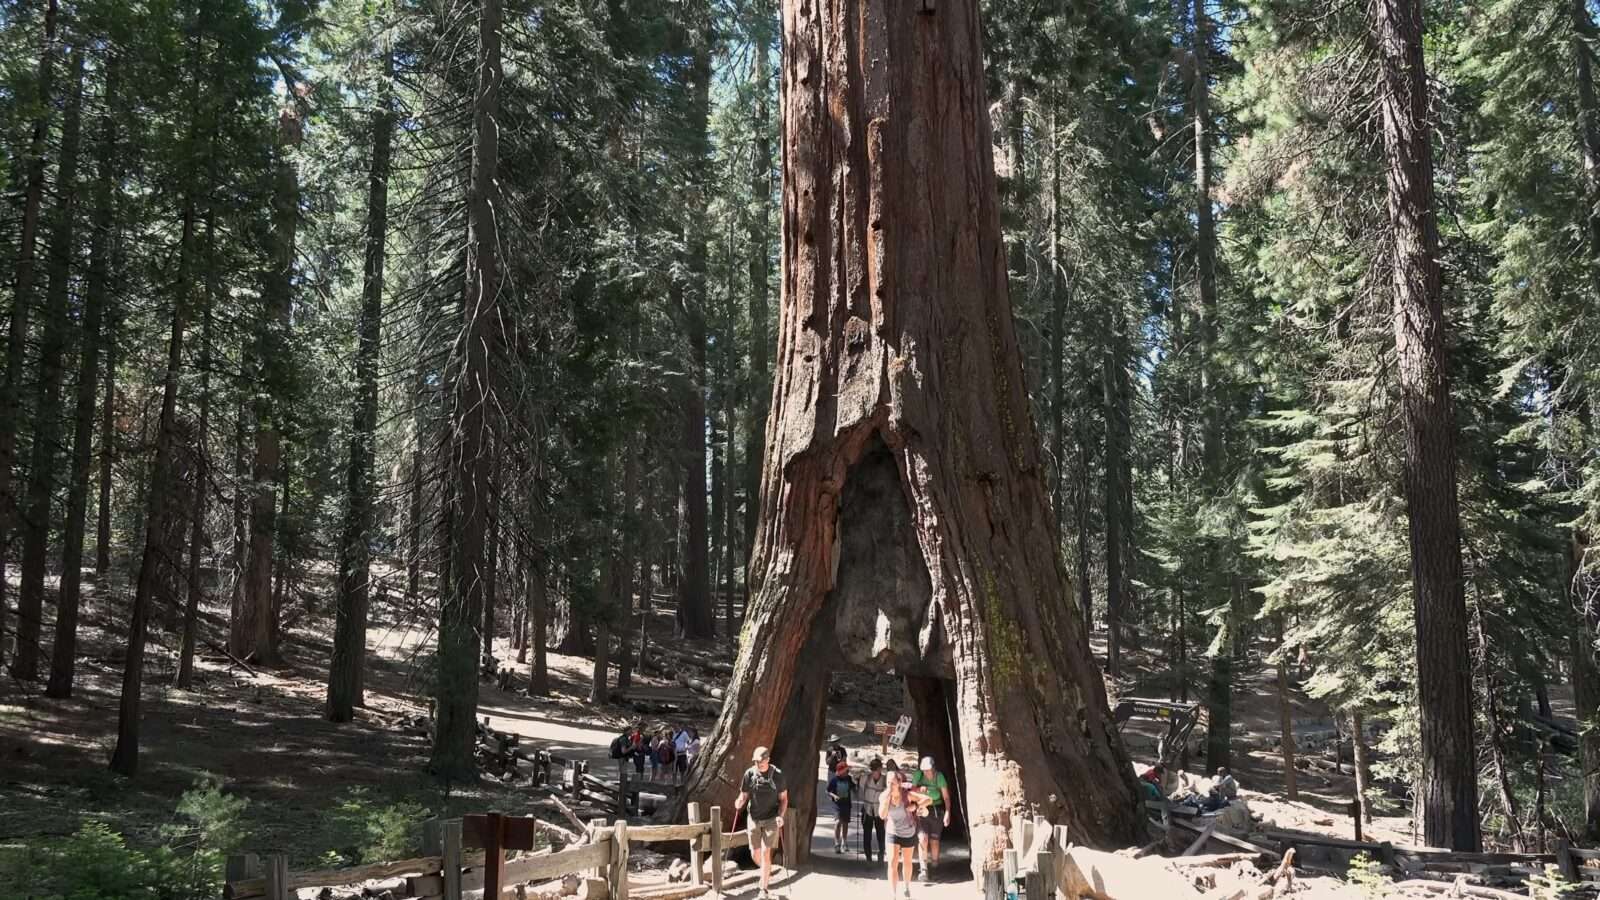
column 1363, row 765
column 414, row 544
column 901, row 430
column 1291, row 788
column 238, row 620
column 491, row 557
column 1113, row 377
column 93, row 335
column 694, row 590
column 47, row 392
column 538, row 607
column 21, row 302
column 197, row 523
column 270, row 414
column 468, row 464
column 108, row 449
column 757, row 240
column 1448, row 800
column 155, row 559
column 355, row 556
column 1058, row 387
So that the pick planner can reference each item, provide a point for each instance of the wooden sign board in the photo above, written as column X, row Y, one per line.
column 883, row 730
column 514, row 832
column 901, row 728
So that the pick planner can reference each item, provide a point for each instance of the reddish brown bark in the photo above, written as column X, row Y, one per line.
column 1448, row 795
column 902, row 474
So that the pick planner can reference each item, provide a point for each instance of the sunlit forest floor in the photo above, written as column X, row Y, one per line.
column 264, row 735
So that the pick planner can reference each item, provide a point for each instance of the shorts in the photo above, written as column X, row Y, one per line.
column 906, row 842
column 931, row 824
column 682, row 764
column 763, row 833
column 841, row 811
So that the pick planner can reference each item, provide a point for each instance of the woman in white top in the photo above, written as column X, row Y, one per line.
column 899, row 813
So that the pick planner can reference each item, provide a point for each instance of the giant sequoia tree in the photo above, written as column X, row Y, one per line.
column 902, row 481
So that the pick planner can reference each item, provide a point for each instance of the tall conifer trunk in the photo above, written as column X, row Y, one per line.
column 42, row 477
column 260, row 605
column 22, row 300
column 901, row 422
column 757, row 237
column 93, row 331
column 197, row 516
column 467, row 464
column 355, row 555
column 1448, row 796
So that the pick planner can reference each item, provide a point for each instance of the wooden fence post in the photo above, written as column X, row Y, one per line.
column 278, row 877
column 619, row 866
column 716, row 850
column 796, row 846
column 1047, row 869
column 451, row 868
column 694, row 848
column 1565, row 861
column 241, row 866
column 1008, row 866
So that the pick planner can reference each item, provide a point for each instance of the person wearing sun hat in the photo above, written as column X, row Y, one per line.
column 842, row 788
column 933, row 813
column 764, row 791
column 873, row 784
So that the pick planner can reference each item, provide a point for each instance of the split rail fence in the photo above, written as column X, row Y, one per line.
column 467, row 855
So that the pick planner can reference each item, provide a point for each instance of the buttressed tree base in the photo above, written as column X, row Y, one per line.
column 905, row 521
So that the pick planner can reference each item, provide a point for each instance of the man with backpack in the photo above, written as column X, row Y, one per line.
column 763, row 790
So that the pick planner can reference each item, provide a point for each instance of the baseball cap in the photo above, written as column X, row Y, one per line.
column 927, row 764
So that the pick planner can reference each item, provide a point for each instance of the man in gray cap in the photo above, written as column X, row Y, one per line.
column 933, row 812
column 762, row 788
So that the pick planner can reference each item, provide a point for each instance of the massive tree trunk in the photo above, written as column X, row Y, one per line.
column 270, row 413
column 1363, row 765
column 37, row 518
column 694, row 589
column 96, row 286
column 1448, row 799
column 538, row 599
column 1291, row 788
column 22, row 300
column 355, row 554
column 202, row 469
column 467, row 464
column 903, row 475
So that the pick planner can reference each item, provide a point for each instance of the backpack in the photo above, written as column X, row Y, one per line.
column 619, row 745
column 664, row 753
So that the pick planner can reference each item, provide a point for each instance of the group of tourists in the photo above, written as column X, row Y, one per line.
column 902, row 812
column 1223, row 789
column 668, row 751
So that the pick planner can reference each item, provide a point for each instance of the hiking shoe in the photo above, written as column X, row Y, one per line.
column 927, row 877
column 905, row 891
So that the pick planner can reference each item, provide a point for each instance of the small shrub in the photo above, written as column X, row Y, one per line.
column 212, row 820
column 366, row 831
column 96, row 863
column 1367, row 874
column 1550, row 885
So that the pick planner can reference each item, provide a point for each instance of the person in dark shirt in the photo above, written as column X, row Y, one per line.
column 842, row 788
column 763, row 790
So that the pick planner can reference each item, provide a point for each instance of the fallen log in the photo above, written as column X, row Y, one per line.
column 236, row 660
column 701, row 687
column 1084, row 874
column 1459, row 888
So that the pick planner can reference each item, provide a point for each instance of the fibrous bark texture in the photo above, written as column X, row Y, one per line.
column 1448, row 796
column 905, row 519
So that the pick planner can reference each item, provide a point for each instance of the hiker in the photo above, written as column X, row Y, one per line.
column 638, row 748
column 897, row 808
column 836, row 753
column 666, row 754
column 1150, row 781
column 872, row 788
column 680, row 755
column 763, row 790
column 691, row 752
column 933, row 815
column 842, row 788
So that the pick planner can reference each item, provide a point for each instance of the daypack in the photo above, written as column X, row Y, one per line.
column 619, row 746
column 664, row 753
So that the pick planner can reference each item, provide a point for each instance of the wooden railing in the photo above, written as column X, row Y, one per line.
column 448, row 869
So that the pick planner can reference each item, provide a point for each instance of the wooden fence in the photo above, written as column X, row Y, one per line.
column 450, row 867
column 1179, row 822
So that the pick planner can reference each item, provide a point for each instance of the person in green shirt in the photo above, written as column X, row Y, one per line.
column 933, row 813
